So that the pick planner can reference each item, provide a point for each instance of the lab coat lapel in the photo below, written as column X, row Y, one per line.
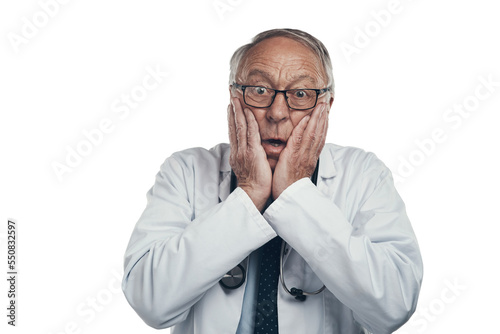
column 326, row 173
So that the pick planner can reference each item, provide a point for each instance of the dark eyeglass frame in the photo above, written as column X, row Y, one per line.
column 276, row 91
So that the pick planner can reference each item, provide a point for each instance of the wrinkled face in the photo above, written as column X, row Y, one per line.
column 280, row 63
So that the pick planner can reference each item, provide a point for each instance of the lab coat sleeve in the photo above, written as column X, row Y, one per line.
column 371, row 262
column 174, row 256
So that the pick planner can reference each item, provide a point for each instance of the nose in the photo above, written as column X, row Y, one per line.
column 279, row 110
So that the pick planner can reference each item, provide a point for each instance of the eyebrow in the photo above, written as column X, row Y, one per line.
column 300, row 77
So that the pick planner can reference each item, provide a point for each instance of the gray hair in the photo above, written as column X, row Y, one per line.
column 300, row 36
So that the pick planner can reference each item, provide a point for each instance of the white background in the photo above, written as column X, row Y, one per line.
column 63, row 80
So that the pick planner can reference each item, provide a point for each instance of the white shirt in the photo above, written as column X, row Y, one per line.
column 350, row 233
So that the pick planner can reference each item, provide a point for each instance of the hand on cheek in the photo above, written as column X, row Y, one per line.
column 248, row 158
column 299, row 158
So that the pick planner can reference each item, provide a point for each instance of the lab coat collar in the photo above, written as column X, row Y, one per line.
column 224, row 161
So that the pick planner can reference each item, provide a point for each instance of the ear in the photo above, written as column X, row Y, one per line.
column 331, row 102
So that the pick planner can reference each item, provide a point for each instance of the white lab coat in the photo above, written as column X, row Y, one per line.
column 351, row 233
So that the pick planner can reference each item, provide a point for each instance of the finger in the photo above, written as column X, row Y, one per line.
column 232, row 128
column 253, row 135
column 240, row 124
column 298, row 133
column 322, row 132
column 231, row 124
column 313, row 126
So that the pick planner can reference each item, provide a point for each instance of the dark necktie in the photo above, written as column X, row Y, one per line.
column 266, row 317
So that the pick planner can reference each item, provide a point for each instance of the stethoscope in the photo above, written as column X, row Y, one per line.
column 236, row 276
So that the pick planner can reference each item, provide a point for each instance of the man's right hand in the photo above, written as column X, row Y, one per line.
column 248, row 158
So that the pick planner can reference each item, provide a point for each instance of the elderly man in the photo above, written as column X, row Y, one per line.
column 275, row 232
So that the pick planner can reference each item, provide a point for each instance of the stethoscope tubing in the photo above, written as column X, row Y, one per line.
column 294, row 292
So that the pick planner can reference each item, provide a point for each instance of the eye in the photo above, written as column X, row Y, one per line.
column 260, row 90
column 300, row 94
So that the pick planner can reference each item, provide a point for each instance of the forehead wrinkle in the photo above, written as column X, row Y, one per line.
column 291, row 75
column 254, row 66
column 311, row 71
column 258, row 72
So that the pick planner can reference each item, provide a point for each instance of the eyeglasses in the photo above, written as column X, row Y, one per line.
column 263, row 97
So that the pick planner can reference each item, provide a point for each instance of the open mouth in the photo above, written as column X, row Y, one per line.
column 275, row 142
column 273, row 147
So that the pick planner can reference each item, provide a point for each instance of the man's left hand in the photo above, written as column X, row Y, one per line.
column 298, row 159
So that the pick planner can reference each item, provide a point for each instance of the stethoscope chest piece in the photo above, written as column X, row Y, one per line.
column 234, row 278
